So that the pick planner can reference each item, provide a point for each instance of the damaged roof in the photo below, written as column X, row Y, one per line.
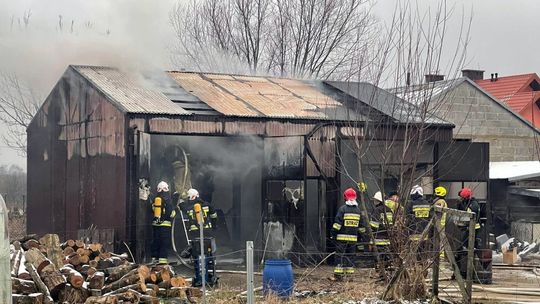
column 190, row 93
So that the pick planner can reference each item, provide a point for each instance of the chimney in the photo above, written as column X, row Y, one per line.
column 434, row 77
column 494, row 77
column 473, row 74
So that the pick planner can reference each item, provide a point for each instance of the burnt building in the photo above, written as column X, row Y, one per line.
column 271, row 154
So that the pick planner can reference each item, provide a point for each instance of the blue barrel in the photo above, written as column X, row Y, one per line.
column 278, row 278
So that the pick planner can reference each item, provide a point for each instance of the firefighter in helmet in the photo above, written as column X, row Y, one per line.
column 440, row 200
column 467, row 203
column 419, row 214
column 345, row 230
column 383, row 219
column 209, row 218
column 164, row 212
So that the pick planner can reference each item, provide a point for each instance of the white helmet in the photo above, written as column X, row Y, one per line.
column 417, row 190
column 192, row 194
column 378, row 196
column 162, row 187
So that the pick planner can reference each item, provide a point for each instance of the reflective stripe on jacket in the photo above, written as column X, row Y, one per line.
column 347, row 224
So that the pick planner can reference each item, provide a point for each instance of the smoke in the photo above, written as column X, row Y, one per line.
column 39, row 39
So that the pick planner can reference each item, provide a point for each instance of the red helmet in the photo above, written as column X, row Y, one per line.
column 349, row 194
column 465, row 193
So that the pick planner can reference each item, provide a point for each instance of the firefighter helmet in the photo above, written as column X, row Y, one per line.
column 417, row 190
column 465, row 193
column 378, row 196
column 440, row 191
column 192, row 194
column 163, row 187
column 349, row 194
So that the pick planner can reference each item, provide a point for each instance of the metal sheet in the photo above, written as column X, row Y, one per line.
column 127, row 94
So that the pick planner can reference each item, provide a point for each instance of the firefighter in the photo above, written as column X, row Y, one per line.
column 419, row 213
column 345, row 232
column 467, row 203
column 209, row 224
column 440, row 200
column 383, row 219
column 164, row 212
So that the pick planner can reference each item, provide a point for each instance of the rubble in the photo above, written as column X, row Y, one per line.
column 43, row 271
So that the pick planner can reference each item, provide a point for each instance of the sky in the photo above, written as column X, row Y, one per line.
column 136, row 33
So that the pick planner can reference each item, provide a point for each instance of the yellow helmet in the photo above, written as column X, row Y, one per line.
column 440, row 191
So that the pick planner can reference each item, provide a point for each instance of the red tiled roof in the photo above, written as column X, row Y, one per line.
column 513, row 90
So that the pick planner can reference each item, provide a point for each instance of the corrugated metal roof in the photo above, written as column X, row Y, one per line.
column 514, row 90
column 253, row 96
column 128, row 94
column 387, row 103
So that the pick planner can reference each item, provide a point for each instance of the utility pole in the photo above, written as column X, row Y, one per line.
column 249, row 266
column 200, row 221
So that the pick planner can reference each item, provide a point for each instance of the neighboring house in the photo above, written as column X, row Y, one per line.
column 520, row 92
column 478, row 116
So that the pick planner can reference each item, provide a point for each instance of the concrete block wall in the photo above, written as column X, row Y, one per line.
column 481, row 119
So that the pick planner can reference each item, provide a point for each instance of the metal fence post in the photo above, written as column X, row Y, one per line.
column 249, row 266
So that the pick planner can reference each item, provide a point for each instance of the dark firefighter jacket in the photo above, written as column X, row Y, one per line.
column 419, row 213
column 347, row 223
column 167, row 210
column 470, row 205
column 209, row 214
column 383, row 219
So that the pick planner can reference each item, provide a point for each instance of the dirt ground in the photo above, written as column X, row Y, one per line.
column 313, row 286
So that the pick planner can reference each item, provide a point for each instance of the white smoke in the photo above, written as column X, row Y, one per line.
column 132, row 35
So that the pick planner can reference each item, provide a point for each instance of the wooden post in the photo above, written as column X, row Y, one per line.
column 470, row 259
column 249, row 278
column 437, row 249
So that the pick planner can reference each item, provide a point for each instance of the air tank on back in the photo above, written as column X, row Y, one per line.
column 5, row 271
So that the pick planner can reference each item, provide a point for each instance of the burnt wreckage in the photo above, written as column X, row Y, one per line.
column 272, row 154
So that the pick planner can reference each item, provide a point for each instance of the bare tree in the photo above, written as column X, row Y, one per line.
column 18, row 105
column 301, row 38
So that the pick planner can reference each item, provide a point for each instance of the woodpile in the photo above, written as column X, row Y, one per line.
column 43, row 271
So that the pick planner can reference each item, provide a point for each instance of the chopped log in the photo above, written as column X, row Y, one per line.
column 93, row 263
column 95, row 247
column 78, row 244
column 153, row 278
column 81, row 251
column 96, row 281
column 102, row 300
column 115, row 273
column 73, row 276
column 151, row 290
column 130, row 296
column 137, row 287
column 52, row 248
column 178, row 281
column 95, row 292
column 39, row 261
column 68, row 251
column 31, row 243
column 176, row 292
column 23, row 273
column 23, row 286
column 104, row 263
column 16, row 262
column 68, row 243
column 117, row 261
column 164, row 275
column 55, row 282
column 124, row 281
column 71, row 294
column 33, row 298
column 75, row 259
column 148, row 299
column 105, row 255
column 84, row 259
column 37, row 280
column 87, row 270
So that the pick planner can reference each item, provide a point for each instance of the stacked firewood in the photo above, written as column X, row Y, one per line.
column 43, row 270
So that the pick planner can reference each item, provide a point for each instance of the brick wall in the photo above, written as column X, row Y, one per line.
column 481, row 119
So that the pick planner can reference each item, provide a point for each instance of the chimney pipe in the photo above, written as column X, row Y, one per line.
column 492, row 77
column 408, row 80
column 434, row 77
column 473, row 74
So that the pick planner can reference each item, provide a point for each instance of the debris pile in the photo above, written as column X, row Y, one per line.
column 43, row 270
column 524, row 252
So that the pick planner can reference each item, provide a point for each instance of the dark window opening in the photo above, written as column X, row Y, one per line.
column 535, row 86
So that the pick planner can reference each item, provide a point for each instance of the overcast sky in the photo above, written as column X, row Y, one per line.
column 135, row 33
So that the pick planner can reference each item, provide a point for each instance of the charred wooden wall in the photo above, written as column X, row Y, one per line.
column 76, row 162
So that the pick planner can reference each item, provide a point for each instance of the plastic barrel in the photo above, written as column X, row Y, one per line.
column 278, row 278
